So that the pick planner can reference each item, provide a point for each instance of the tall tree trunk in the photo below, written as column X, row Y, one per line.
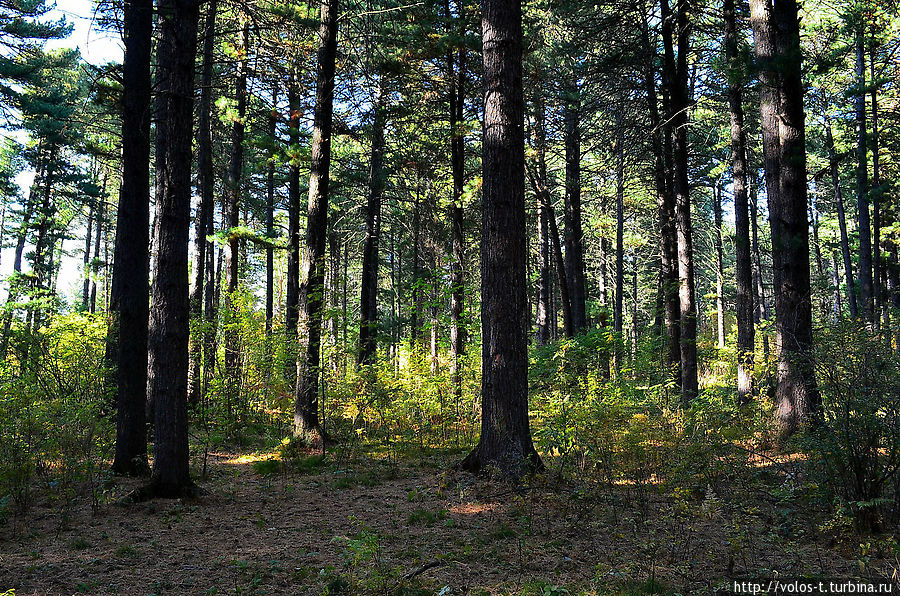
column 306, row 412
column 505, row 440
column 98, row 230
column 233, row 220
column 456, row 94
column 620, row 231
column 170, row 314
column 866, row 288
column 876, row 193
column 665, row 206
column 842, row 220
column 205, row 185
column 292, row 289
column 574, row 240
column 129, row 306
column 796, row 395
column 86, row 266
column 742, row 243
column 415, row 331
column 543, row 316
column 270, row 219
column 720, row 269
column 678, row 69
column 368, row 303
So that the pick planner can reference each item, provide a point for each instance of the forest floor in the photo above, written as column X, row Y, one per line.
column 407, row 526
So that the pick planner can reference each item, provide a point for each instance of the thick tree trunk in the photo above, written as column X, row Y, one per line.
column 232, row 221
column 306, row 411
column 796, row 395
column 742, row 243
column 130, row 290
column 665, row 206
column 205, row 185
column 169, row 317
column 678, row 69
column 368, row 303
column 574, row 240
column 505, row 442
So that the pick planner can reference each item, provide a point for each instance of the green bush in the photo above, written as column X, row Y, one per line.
column 855, row 451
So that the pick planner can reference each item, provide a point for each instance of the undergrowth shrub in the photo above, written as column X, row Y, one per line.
column 53, row 406
column 855, row 452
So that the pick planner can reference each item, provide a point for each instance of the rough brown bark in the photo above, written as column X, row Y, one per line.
column 129, row 307
column 205, row 186
column 505, row 442
column 169, row 316
column 306, row 411
column 368, row 303
column 742, row 244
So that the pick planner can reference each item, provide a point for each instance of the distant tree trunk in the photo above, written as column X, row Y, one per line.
column 620, row 232
column 270, row 219
column 876, row 192
column 574, row 240
column 368, row 303
column 86, row 267
column 678, row 69
column 836, row 282
column 292, row 289
column 435, row 327
column 720, row 269
column 98, row 230
column 233, row 220
column 129, row 304
column 665, row 205
column 205, row 185
column 505, row 441
column 842, row 219
column 742, row 243
column 866, row 291
column 542, row 335
column 169, row 317
column 796, row 395
column 415, row 331
column 456, row 94
column 306, row 412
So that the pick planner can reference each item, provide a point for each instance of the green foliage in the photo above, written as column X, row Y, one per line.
column 52, row 419
column 855, row 452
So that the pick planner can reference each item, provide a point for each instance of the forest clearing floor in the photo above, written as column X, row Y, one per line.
column 407, row 526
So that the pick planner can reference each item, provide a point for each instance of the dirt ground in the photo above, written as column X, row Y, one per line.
column 410, row 527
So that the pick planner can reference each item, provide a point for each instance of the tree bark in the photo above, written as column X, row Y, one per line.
column 866, row 288
column 574, row 239
column 233, row 220
column 368, row 303
column 292, row 285
column 205, row 184
column 797, row 398
column 169, row 316
column 129, row 306
column 306, row 411
column 842, row 220
column 742, row 243
column 505, row 442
